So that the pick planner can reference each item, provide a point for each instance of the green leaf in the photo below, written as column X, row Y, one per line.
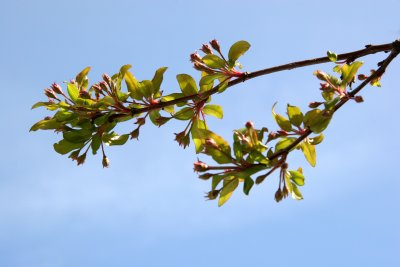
column 41, row 104
column 158, row 78
column 332, row 56
column 63, row 147
column 214, row 61
column 81, row 77
column 114, row 139
column 297, row 177
column 73, row 91
column 146, row 88
column 63, row 116
column 296, row 194
column 284, row 143
column 133, row 86
column 198, row 135
column 213, row 110
column 96, row 142
column 223, row 86
column 77, row 136
column 237, row 50
column 317, row 120
column 295, row 115
column 124, row 69
column 309, row 152
column 210, row 78
column 187, row 84
column 51, row 124
column 227, row 190
column 349, row 71
column 316, row 139
column 248, row 184
column 184, row 114
column 283, row 123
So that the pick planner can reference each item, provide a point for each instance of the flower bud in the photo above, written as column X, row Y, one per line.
column 249, row 125
column 214, row 44
column 57, row 88
column 103, row 86
column 105, row 162
column 358, row 99
column 272, row 136
column 206, row 176
column 195, row 57
column 285, row 191
column 201, row 67
column 200, row 166
column 74, row 155
column 362, row 77
column 314, row 104
column 213, row 194
column 81, row 159
column 282, row 133
column 206, row 49
column 107, row 79
column 50, row 93
column 140, row 121
column 135, row 134
column 278, row 195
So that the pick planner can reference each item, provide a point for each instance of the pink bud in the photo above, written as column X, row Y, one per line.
column 200, row 166
column 57, row 88
column 206, row 49
column 214, row 44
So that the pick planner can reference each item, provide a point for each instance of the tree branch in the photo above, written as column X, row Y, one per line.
column 395, row 50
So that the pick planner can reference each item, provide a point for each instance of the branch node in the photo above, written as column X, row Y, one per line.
column 396, row 45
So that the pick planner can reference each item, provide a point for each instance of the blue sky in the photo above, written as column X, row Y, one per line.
column 148, row 209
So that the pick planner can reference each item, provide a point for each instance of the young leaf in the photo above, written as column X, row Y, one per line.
column 227, row 190
column 284, row 143
column 283, row 123
column 96, row 142
column 214, row 61
column 117, row 140
column 77, row 136
column 46, row 125
column 73, row 91
column 316, row 139
column 309, row 152
column 198, row 135
column 209, row 79
column 316, row 120
column 247, row 185
column 184, row 114
column 63, row 147
column 133, row 86
column 81, row 77
column 237, row 50
column 297, row 177
column 187, row 84
column 213, row 110
column 296, row 194
column 158, row 78
column 349, row 71
column 146, row 88
column 295, row 115
column 332, row 56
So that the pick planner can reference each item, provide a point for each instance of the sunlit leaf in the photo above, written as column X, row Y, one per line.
column 158, row 78
column 283, row 123
column 73, row 91
column 349, row 71
column 227, row 190
column 309, row 152
column 237, row 50
column 63, row 147
column 187, row 84
column 214, row 61
column 295, row 115
column 213, row 110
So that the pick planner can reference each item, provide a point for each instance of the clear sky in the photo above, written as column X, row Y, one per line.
column 148, row 208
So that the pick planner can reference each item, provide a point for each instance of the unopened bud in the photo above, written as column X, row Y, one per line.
column 285, row 192
column 278, row 195
column 107, row 79
column 195, row 57
column 140, row 121
column 103, row 86
column 74, row 155
column 282, row 133
column 206, row 176
column 201, row 67
column 135, row 134
column 57, row 88
column 105, row 162
column 249, row 125
column 50, row 93
column 214, row 44
column 200, row 166
column 84, row 94
column 213, row 194
column 272, row 136
column 81, row 159
column 206, row 49
column 362, row 77
column 314, row 104
column 358, row 99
